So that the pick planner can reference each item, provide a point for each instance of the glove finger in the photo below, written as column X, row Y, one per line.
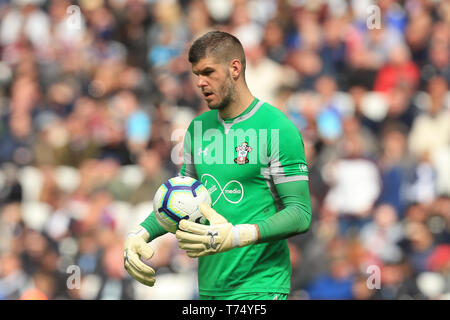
column 191, row 246
column 211, row 214
column 187, row 237
column 135, row 261
column 196, row 253
column 144, row 250
column 147, row 280
column 192, row 227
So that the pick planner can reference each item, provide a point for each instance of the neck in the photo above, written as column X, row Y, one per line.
column 241, row 101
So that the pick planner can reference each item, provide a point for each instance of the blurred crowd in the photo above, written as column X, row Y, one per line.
column 95, row 96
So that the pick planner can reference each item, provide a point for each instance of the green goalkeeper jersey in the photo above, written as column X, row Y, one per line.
column 242, row 161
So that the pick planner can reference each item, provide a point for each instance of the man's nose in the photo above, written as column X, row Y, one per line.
column 201, row 82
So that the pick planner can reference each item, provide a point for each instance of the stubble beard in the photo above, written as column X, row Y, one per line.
column 227, row 92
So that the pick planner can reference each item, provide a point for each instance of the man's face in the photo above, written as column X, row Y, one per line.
column 214, row 79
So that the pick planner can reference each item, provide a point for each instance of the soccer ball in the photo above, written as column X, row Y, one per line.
column 178, row 198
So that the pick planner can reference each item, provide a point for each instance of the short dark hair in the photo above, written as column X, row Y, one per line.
column 219, row 45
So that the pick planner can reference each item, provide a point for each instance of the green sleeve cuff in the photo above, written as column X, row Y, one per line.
column 153, row 227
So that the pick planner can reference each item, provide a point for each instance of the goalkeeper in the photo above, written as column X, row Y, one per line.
column 251, row 159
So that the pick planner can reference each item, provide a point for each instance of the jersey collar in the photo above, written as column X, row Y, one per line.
column 250, row 111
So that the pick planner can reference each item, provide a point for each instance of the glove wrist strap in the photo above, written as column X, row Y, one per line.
column 140, row 232
column 244, row 235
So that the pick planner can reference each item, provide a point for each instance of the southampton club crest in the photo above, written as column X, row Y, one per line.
column 242, row 153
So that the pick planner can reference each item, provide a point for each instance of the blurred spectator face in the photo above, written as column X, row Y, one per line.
column 60, row 94
column 10, row 214
column 311, row 63
column 306, row 62
column 442, row 207
column 417, row 213
column 168, row 85
column 305, row 16
column 394, row 145
column 20, row 125
column 437, row 89
column 326, row 86
column 333, row 30
column 26, row 67
column 150, row 160
column 198, row 17
column 385, row 216
column 360, row 289
column 399, row 100
column 340, row 268
column 444, row 11
column 167, row 13
column 440, row 55
column 392, row 274
column 35, row 244
column 254, row 53
column 45, row 283
column 360, row 58
column 97, row 214
column 105, row 79
column 113, row 261
column 50, row 261
column 107, row 170
column 376, row 36
column 9, row 264
column 353, row 147
column 85, row 107
column 418, row 30
column 419, row 235
column 24, row 94
column 126, row 102
column 102, row 22
column 357, row 93
column 50, row 192
column 351, row 126
column 311, row 36
column 240, row 15
column 440, row 35
column 273, row 34
column 399, row 55
column 57, row 9
column 76, row 127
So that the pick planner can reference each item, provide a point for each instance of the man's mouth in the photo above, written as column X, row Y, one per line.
column 207, row 94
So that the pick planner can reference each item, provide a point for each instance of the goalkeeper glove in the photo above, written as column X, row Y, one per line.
column 136, row 246
column 201, row 240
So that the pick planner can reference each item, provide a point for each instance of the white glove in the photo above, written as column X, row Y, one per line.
column 136, row 246
column 201, row 240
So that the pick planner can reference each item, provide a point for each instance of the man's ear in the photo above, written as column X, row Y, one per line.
column 235, row 68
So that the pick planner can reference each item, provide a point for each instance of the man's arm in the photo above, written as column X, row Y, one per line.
column 294, row 219
column 289, row 173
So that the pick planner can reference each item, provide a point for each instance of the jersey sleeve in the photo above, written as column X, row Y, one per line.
column 153, row 227
column 294, row 219
column 287, row 160
column 188, row 168
column 289, row 172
